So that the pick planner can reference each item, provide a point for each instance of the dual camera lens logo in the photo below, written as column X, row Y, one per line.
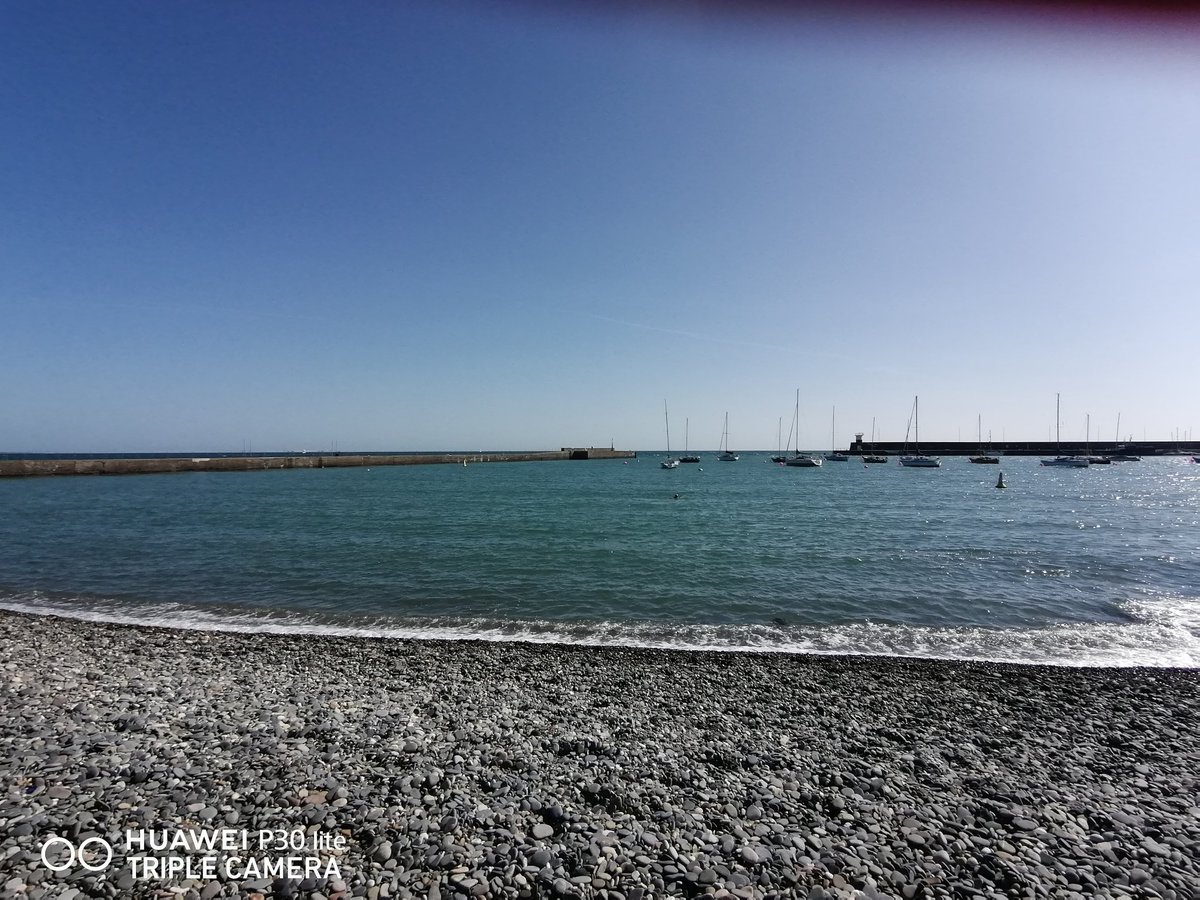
column 94, row 854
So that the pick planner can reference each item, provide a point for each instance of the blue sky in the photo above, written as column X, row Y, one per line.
column 457, row 225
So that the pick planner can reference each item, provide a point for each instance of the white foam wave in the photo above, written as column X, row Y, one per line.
column 1165, row 632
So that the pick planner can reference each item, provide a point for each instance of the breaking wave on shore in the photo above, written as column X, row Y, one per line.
column 1159, row 632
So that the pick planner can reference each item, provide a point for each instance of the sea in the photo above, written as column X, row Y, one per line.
column 1075, row 567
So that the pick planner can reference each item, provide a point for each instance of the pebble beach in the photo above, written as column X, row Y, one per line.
column 471, row 769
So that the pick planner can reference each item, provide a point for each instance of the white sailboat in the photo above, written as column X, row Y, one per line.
column 1071, row 462
column 917, row 460
column 833, row 455
column 726, row 456
column 802, row 460
column 670, row 462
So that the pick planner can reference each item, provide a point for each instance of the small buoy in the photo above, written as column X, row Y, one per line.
column 1000, row 481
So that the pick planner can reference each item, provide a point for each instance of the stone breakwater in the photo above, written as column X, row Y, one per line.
column 161, row 465
column 461, row 770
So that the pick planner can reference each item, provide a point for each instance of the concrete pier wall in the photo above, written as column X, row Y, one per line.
column 1025, row 448
column 12, row 468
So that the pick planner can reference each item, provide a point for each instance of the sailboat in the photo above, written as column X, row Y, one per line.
column 779, row 454
column 1087, row 447
column 833, row 455
column 669, row 462
column 1119, row 456
column 917, row 460
column 802, row 460
column 1123, row 457
column 982, row 457
column 726, row 456
column 1074, row 462
column 687, row 457
column 873, row 457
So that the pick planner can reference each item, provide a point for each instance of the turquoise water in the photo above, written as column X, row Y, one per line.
column 1092, row 566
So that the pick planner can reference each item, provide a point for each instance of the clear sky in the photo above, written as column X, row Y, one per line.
column 456, row 225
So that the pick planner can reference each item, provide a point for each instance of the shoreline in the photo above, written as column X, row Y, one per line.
column 534, row 770
column 1149, row 638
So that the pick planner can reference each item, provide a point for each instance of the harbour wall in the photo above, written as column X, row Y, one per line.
column 1025, row 448
column 14, row 468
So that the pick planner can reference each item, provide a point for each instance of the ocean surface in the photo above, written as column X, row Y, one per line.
column 1096, row 566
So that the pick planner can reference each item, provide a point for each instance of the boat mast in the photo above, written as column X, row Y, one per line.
column 833, row 432
column 1058, row 423
column 917, row 424
column 667, row 419
column 685, row 435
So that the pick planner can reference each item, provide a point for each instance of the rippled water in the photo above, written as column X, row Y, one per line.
column 1092, row 566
